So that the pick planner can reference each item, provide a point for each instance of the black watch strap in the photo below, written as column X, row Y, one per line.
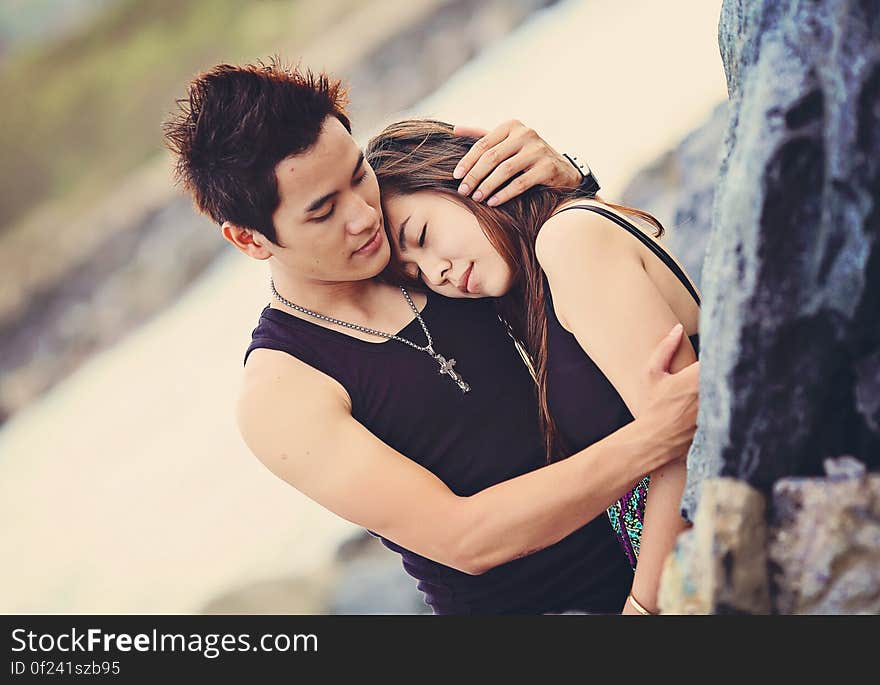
column 589, row 184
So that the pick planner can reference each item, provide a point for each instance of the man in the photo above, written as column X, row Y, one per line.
column 411, row 416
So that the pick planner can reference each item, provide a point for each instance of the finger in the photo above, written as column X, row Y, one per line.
column 469, row 131
column 692, row 370
column 517, row 186
column 689, row 379
column 477, row 150
column 663, row 353
column 490, row 160
column 513, row 161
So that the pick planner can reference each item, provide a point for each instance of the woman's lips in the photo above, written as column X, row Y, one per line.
column 463, row 283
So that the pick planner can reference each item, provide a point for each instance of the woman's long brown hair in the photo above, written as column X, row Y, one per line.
column 420, row 154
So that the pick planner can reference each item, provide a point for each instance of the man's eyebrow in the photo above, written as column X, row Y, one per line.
column 358, row 165
column 329, row 196
column 401, row 238
column 321, row 200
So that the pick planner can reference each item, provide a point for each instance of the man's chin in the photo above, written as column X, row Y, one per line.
column 379, row 263
column 383, row 258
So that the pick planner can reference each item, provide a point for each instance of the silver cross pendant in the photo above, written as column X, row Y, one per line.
column 446, row 368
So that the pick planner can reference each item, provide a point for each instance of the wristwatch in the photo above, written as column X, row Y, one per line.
column 589, row 184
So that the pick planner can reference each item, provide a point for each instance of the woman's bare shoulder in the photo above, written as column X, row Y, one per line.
column 580, row 236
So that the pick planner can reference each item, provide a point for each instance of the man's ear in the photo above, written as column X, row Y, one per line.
column 252, row 243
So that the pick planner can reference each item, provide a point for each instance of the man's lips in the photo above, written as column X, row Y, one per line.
column 367, row 245
column 463, row 282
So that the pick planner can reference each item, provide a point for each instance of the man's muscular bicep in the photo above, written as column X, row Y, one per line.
column 282, row 411
column 298, row 423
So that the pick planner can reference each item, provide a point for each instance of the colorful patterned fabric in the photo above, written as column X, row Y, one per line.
column 627, row 516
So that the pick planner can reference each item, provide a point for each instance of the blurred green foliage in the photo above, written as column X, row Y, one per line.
column 24, row 22
column 84, row 110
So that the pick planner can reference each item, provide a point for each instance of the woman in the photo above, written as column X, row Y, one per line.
column 585, row 299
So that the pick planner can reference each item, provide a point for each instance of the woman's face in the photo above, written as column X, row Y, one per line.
column 441, row 242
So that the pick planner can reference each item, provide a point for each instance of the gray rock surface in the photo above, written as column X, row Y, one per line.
column 791, row 280
column 825, row 548
column 720, row 565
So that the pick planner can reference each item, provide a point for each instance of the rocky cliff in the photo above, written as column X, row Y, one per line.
column 791, row 279
column 780, row 489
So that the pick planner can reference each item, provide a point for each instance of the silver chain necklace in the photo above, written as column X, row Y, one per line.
column 445, row 366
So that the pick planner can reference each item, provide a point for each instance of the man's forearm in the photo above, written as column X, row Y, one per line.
column 533, row 511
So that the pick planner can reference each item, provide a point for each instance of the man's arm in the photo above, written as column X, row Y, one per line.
column 298, row 422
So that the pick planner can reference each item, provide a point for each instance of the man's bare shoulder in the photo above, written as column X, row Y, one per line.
column 276, row 384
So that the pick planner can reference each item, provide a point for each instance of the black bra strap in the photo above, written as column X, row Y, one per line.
column 656, row 249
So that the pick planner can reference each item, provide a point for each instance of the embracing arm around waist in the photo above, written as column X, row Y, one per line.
column 298, row 423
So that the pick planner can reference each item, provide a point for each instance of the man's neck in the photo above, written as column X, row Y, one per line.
column 348, row 300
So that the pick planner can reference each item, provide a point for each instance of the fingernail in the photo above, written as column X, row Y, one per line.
column 458, row 173
column 478, row 195
column 493, row 201
column 464, row 188
column 675, row 329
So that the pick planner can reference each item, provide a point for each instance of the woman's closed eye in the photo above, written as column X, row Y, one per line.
column 422, row 237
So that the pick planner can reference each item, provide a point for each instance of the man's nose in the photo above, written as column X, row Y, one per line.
column 363, row 218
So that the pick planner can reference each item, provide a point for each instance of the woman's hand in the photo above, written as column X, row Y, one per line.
column 507, row 150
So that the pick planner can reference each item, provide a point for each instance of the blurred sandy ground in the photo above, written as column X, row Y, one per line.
column 128, row 488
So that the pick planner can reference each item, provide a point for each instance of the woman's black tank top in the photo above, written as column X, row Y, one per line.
column 583, row 402
column 470, row 441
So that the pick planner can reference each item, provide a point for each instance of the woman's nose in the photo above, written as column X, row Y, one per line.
column 436, row 272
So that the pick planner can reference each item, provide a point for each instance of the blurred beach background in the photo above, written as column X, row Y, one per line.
column 124, row 317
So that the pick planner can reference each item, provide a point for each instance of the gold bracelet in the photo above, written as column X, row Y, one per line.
column 638, row 607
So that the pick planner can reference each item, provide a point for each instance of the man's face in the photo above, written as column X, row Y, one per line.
column 330, row 218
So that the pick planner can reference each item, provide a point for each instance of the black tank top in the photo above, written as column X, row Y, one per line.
column 584, row 403
column 470, row 441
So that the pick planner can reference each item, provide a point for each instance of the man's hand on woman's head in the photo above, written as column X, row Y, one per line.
column 502, row 153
